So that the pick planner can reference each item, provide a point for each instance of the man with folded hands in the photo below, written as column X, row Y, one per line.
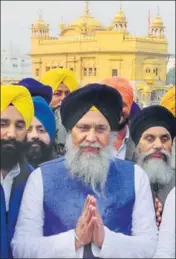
column 87, row 204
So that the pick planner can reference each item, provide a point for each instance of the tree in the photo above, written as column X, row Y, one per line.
column 170, row 78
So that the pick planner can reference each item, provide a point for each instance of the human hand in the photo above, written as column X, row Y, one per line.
column 158, row 211
column 84, row 227
column 98, row 230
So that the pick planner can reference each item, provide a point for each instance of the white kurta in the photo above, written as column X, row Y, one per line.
column 29, row 242
column 166, row 242
column 7, row 183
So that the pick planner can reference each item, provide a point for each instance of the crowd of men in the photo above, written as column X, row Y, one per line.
column 85, row 171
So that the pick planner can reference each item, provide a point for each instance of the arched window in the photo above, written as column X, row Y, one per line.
column 37, row 72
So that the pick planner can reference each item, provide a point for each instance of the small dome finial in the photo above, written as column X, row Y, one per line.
column 86, row 7
column 40, row 14
column 120, row 5
column 62, row 20
column 158, row 11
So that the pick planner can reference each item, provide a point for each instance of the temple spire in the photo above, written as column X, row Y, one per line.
column 40, row 14
column 120, row 5
column 86, row 7
column 158, row 11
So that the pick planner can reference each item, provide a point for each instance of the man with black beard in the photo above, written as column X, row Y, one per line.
column 17, row 112
column 41, row 133
column 87, row 204
column 152, row 131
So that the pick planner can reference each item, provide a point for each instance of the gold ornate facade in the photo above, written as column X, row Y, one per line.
column 94, row 52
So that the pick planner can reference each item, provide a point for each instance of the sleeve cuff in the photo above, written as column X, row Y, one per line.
column 76, row 253
column 104, row 251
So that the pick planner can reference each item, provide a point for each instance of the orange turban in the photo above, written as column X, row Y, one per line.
column 123, row 86
column 168, row 100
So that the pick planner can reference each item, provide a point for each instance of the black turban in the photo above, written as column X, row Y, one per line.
column 106, row 99
column 152, row 116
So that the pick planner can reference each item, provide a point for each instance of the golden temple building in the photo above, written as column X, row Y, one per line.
column 95, row 52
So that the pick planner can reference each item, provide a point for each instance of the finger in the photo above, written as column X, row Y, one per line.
column 93, row 210
column 159, row 219
column 86, row 201
column 160, row 205
column 158, row 214
column 93, row 200
column 88, row 216
column 97, row 224
column 90, row 200
column 90, row 225
column 98, row 216
column 98, row 213
column 160, row 209
column 156, row 200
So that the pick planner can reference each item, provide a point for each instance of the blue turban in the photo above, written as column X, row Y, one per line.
column 37, row 89
column 135, row 108
column 45, row 115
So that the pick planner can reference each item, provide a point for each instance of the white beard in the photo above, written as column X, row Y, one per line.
column 90, row 167
column 173, row 154
column 158, row 170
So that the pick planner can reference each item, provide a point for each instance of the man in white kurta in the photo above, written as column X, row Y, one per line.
column 166, row 242
column 86, row 204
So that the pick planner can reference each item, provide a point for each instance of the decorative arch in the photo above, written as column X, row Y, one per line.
column 70, row 31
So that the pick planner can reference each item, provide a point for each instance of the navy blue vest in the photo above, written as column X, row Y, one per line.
column 8, row 221
column 64, row 197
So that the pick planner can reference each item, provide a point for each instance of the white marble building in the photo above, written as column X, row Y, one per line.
column 171, row 62
column 14, row 65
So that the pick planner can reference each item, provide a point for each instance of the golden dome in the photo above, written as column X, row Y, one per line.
column 120, row 17
column 157, row 22
column 90, row 21
column 40, row 23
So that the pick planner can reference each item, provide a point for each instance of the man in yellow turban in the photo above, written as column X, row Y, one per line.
column 63, row 82
column 17, row 112
column 169, row 100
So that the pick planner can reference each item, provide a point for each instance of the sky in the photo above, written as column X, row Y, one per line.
column 17, row 17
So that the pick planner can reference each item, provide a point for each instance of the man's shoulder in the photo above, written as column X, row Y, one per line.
column 123, row 163
column 54, row 162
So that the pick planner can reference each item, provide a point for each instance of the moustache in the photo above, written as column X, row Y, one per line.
column 85, row 144
column 38, row 152
column 12, row 152
column 12, row 144
column 160, row 154
column 35, row 144
column 8, row 143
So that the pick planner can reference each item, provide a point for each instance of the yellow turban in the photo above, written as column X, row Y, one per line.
column 20, row 97
column 56, row 76
column 168, row 101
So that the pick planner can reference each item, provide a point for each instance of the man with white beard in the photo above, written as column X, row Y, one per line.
column 86, row 205
column 153, row 130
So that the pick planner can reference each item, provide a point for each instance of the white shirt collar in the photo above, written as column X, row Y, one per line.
column 11, row 174
column 126, row 136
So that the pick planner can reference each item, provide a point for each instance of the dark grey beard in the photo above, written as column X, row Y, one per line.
column 158, row 170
